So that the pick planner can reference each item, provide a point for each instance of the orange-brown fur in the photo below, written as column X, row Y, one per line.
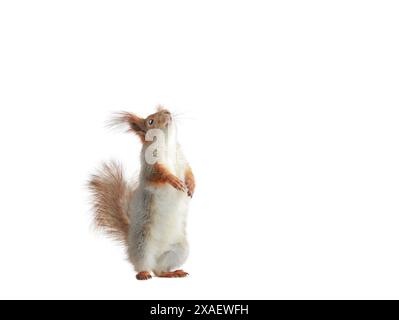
column 144, row 275
column 173, row 274
column 111, row 195
column 160, row 175
column 136, row 124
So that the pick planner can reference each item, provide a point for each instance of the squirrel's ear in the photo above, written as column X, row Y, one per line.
column 136, row 124
column 160, row 107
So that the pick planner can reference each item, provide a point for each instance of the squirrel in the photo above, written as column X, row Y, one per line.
column 149, row 215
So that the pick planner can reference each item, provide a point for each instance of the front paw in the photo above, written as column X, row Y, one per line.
column 190, row 187
column 177, row 183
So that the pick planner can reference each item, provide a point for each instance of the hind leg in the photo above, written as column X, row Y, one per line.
column 173, row 274
column 143, row 260
column 143, row 266
column 143, row 275
column 172, row 259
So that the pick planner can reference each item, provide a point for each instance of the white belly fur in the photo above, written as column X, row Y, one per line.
column 169, row 218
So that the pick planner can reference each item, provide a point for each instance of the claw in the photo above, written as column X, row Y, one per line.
column 181, row 273
column 177, row 184
column 190, row 187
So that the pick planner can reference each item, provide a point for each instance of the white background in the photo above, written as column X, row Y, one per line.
column 289, row 118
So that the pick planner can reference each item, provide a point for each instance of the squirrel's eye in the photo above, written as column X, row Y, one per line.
column 150, row 122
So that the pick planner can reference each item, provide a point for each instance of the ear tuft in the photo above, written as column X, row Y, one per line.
column 160, row 107
column 135, row 123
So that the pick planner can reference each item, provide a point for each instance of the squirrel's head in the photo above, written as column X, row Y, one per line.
column 158, row 120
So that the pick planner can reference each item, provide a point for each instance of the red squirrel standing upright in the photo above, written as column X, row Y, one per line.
column 149, row 215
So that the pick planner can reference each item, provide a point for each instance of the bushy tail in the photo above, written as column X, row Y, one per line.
column 111, row 196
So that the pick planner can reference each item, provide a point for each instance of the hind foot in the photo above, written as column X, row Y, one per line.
column 173, row 274
column 143, row 275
